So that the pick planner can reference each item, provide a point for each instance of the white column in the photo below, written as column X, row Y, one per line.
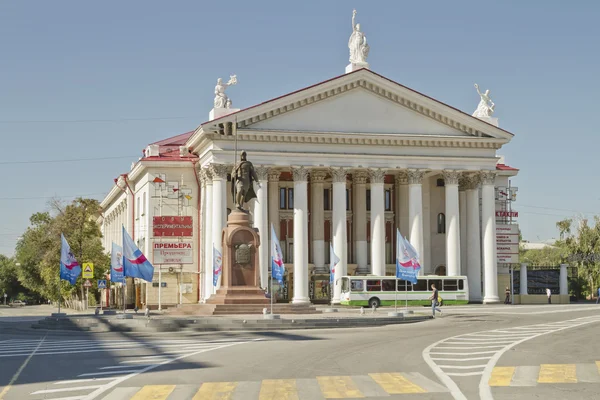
column 300, row 175
column 219, row 206
column 339, row 229
column 359, row 189
column 415, row 211
column 563, row 282
column 488, row 224
column 317, row 217
column 452, row 223
column 474, row 239
column 202, row 230
column 261, row 211
column 377, row 222
column 523, row 280
column 273, row 207
column 207, row 242
column 462, row 212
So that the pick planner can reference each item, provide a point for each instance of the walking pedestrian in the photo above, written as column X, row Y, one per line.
column 434, row 300
column 549, row 294
column 507, row 299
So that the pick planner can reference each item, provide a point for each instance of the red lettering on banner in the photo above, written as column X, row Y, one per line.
column 173, row 226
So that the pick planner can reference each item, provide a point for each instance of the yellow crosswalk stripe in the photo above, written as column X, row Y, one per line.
column 557, row 373
column 215, row 391
column 501, row 376
column 278, row 389
column 338, row 387
column 154, row 392
column 395, row 383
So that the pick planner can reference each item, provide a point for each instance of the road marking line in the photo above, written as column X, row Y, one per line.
column 69, row 389
column 394, row 383
column 338, row 387
column 461, row 359
column 83, row 380
column 468, row 348
column 110, row 372
column 278, row 389
column 501, row 376
column 124, row 366
column 154, row 392
column 462, row 366
column 456, row 395
column 215, row 390
column 557, row 373
column 464, row 354
column 18, row 373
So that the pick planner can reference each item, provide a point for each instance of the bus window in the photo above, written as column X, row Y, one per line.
column 461, row 284
column 420, row 286
column 373, row 285
column 344, row 284
column 357, row 285
column 404, row 286
column 388, row 285
column 450, row 285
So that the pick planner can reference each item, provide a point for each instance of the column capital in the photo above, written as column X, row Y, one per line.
column 377, row 175
column 415, row 176
column 487, row 177
column 451, row 176
column 274, row 175
column 471, row 182
column 207, row 175
column 402, row 178
column 218, row 171
column 318, row 176
column 300, row 174
column 262, row 172
column 338, row 174
column 360, row 177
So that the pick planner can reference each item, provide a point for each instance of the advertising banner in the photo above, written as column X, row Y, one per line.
column 173, row 253
column 507, row 243
column 172, row 226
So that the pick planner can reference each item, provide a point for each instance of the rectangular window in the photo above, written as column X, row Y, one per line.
column 436, row 282
column 388, row 285
column 282, row 197
column 368, row 199
column 373, row 285
column 420, row 286
column 347, row 200
column 450, row 285
column 144, row 205
column 388, row 200
column 138, row 207
column 290, row 199
column 326, row 200
column 404, row 286
column 461, row 285
column 357, row 286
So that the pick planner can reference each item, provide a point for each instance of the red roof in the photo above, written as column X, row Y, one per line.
column 168, row 149
column 504, row 167
column 353, row 72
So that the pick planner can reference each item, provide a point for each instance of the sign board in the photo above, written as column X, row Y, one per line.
column 172, row 226
column 173, row 253
column 508, row 214
column 101, row 284
column 507, row 243
column 87, row 271
column 87, row 283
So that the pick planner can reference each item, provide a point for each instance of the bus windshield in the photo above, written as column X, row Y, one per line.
column 344, row 284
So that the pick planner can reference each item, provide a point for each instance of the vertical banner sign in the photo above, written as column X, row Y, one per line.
column 217, row 265
column 116, row 264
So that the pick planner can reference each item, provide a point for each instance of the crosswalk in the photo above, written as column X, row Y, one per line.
column 375, row 385
column 458, row 360
column 535, row 375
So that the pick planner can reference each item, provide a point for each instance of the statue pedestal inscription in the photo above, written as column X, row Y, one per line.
column 240, row 278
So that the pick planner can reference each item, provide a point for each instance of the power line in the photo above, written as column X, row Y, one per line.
column 65, row 160
column 51, row 197
column 90, row 120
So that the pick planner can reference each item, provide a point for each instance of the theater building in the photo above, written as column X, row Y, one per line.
column 345, row 162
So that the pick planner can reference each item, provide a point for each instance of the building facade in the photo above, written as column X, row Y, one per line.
column 344, row 163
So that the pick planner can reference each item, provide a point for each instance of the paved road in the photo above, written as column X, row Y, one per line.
column 474, row 352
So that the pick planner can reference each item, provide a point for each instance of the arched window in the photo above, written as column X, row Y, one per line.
column 441, row 223
column 440, row 271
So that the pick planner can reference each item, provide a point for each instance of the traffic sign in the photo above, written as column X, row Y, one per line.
column 87, row 283
column 101, row 284
column 88, row 270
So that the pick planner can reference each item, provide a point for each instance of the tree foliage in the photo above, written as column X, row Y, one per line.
column 38, row 250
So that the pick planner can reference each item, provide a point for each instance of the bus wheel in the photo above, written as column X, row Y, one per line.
column 374, row 301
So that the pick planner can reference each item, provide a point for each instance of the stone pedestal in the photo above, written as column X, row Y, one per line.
column 240, row 280
column 490, row 120
column 356, row 66
column 221, row 112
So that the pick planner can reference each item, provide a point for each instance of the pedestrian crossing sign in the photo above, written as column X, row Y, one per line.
column 88, row 270
column 101, row 284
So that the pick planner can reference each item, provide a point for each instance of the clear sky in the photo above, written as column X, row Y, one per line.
column 97, row 81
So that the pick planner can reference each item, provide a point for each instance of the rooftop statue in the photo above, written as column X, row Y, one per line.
column 483, row 109
column 221, row 99
column 359, row 49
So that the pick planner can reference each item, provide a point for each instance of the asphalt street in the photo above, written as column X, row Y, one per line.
column 471, row 352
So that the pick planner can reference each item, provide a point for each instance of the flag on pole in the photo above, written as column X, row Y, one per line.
column 116, row 264
column 407, row 264
column 334, row 260
column 277, row 265
column 69, row 267
column 217, row 265
column 135, row 263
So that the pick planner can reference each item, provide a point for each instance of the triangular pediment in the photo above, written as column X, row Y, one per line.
column 361, row 102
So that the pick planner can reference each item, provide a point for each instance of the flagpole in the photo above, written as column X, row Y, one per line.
column 271, row 289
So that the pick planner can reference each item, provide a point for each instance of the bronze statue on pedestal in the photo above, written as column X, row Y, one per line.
column 242, row 182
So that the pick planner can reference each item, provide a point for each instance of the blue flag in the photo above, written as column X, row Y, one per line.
column 116, row 264
column 334, row 260
column 135, row 263
column 407, row 264
column 217, row 265
column 69, row 267
column 277, row 265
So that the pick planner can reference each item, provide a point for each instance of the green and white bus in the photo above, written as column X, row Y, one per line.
column 383, row 290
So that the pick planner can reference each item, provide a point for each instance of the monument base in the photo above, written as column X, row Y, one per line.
column 356, row 66
column 221, row 112
column 490, row 120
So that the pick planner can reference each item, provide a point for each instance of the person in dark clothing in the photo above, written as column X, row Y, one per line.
column 507, row 299
column 434, row 300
